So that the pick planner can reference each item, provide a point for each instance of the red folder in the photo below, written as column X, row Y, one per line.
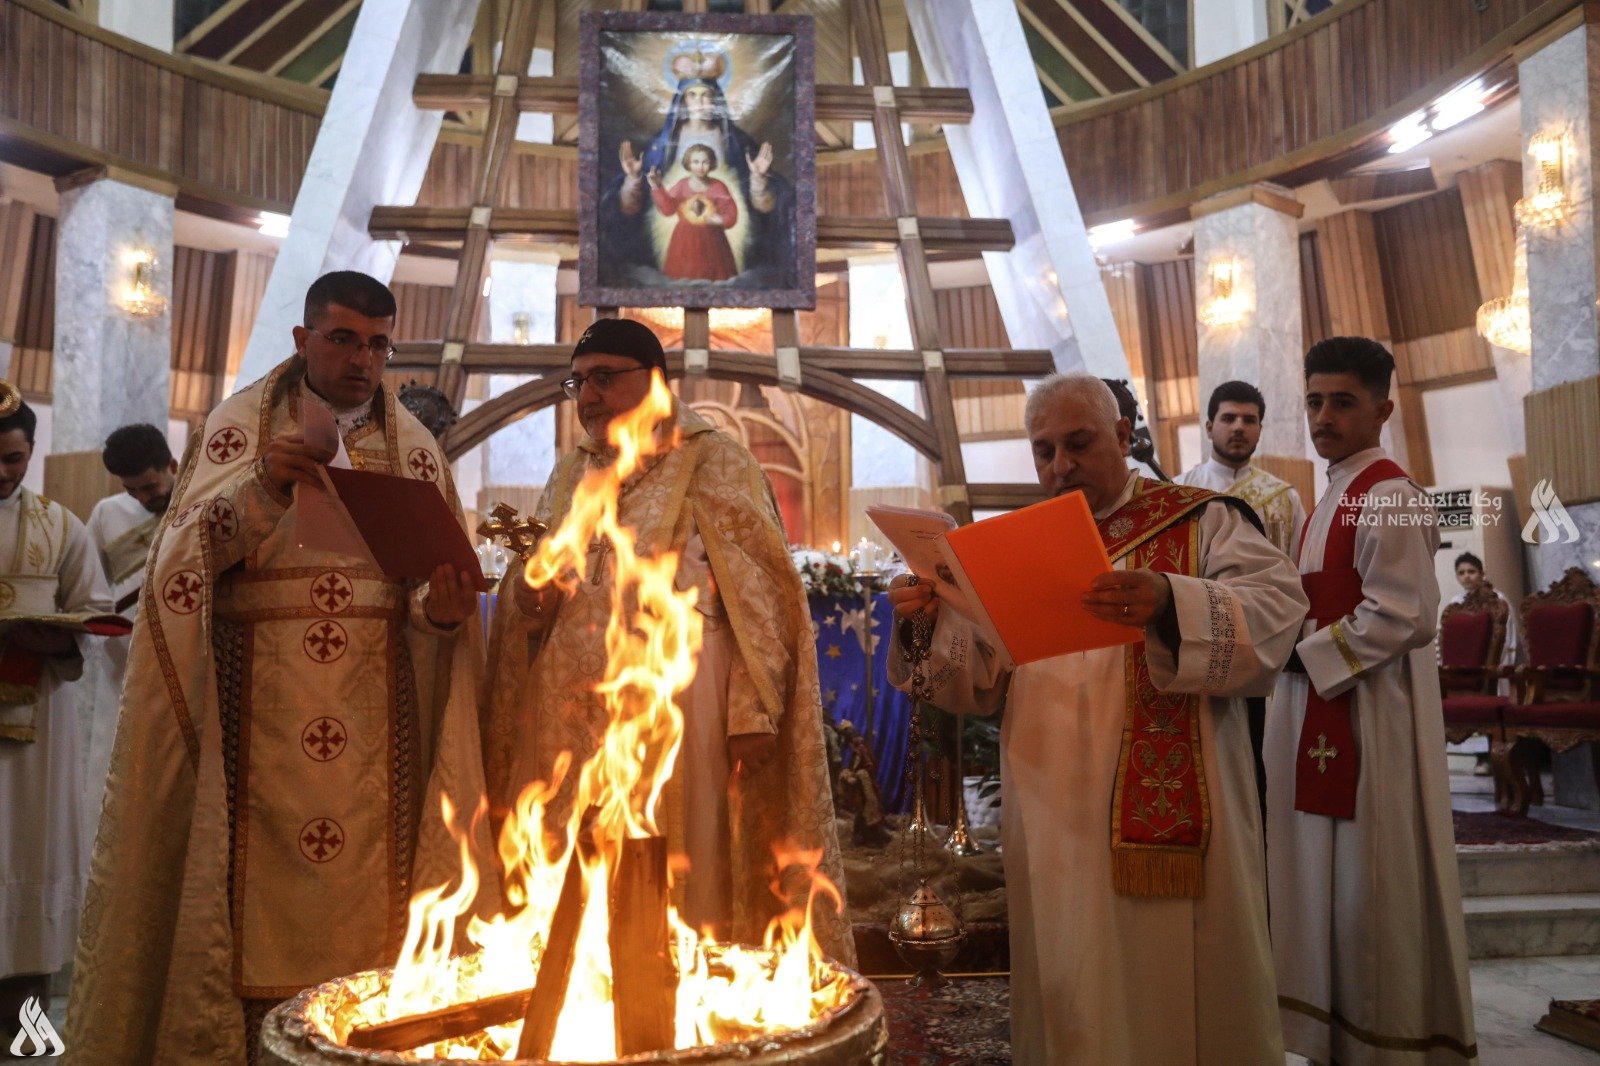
column 408, row 526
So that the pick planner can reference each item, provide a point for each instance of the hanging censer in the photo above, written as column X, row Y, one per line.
column 926, row 931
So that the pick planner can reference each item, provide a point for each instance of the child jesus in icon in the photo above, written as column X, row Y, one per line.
column 699, row 248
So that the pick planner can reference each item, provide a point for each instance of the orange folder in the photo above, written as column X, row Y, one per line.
column 1027, row 571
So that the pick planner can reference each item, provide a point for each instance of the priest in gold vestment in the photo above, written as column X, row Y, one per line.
column 290, row 721
column 752, row 775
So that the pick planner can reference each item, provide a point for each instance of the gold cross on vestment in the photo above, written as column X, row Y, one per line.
column 1322, row 753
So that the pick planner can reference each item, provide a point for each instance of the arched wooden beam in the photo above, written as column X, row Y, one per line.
column 488, row 418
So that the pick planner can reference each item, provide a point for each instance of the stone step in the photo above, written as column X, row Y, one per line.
column 1566, row 923
column 1528, row 871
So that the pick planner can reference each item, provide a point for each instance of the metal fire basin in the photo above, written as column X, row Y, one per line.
column 852, row 1035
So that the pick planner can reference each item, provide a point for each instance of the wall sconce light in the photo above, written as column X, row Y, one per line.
column 1549, row 205
column 1227, row 305
column 1505, row 321
column 140, row 297
column 521, row 327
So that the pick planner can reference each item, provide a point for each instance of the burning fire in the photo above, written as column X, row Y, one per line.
column 724, row 992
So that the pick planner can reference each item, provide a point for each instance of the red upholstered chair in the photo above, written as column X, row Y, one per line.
column 1472, row 635
column 1558, row 699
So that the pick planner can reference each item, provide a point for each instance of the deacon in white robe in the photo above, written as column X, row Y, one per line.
column 1367, row 926
column 46, row 566
column 121, row 531
column 1101, row 975
column 1276, row 501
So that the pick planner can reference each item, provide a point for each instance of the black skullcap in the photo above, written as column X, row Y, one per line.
column 625, row 337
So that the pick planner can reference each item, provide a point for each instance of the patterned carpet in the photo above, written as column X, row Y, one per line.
column 967, row 1022
column 1488, row 829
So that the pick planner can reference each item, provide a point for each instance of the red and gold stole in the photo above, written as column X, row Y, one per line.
column 1327, row 765
column 1161, row 817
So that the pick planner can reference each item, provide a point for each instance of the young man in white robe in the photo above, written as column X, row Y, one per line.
column 1367, row 929
column 121, row 528
column 1234, row 416
column 1133, row 849
column 48, row 568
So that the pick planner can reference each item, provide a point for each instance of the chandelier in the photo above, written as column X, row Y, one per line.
column 1504, row 321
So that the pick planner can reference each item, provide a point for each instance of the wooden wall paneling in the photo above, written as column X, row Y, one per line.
column 83, row 92
column 1489, row 193
column 1174, row 338
column 1414, row 424
column 1335, row 80
column 201, row 308
column 1430, row 282
column 1352, row 276
column 1315, row 322
column 421, row 311
column 16, row 246
column 1125, row 292
column 36, row 322
column 1459, row 355
column 250, row 272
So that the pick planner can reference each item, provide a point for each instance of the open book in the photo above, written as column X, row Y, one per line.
column 21, row 670
column 1018, row 577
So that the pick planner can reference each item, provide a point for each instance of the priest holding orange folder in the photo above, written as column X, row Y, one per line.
column 1133, row 841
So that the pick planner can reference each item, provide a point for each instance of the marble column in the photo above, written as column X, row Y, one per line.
column 1560, row 93
column 1009, row 164
column 1222, row 27
column 146, row 21
column 372, row 149
column 1247, row 284
column 110, row 367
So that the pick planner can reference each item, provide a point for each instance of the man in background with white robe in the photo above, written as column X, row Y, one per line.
column 1136, row 885
column 1234, row 416
column 121, row 528
column 1367, row 928
column 47, row 566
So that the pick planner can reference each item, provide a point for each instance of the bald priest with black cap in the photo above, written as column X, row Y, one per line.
column 753, row 770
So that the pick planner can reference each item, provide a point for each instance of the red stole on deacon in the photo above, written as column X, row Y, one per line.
column 1160, row 814
column 1327, row 764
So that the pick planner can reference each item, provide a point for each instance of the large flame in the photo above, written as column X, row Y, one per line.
column 725, row 992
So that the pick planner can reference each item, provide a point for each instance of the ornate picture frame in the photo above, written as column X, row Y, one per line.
column 697, row 161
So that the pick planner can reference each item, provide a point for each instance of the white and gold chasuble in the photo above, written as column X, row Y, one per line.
column 711, row 488
column 1273, row 499
column 272, row 805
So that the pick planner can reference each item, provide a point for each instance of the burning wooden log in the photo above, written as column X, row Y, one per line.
column 555, row 967
column 644, row 982
column 447, row 1023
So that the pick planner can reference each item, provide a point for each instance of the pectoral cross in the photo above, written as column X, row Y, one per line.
column 1322, row 753
column 519, row 535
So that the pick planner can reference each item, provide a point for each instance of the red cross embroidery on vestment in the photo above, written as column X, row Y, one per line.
column 332, row 592
column 325, row 641
column 221, row 520
column 321, row 839
column 422, row 464
column 226, row 445
column 182, row 592
column 324, row 739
